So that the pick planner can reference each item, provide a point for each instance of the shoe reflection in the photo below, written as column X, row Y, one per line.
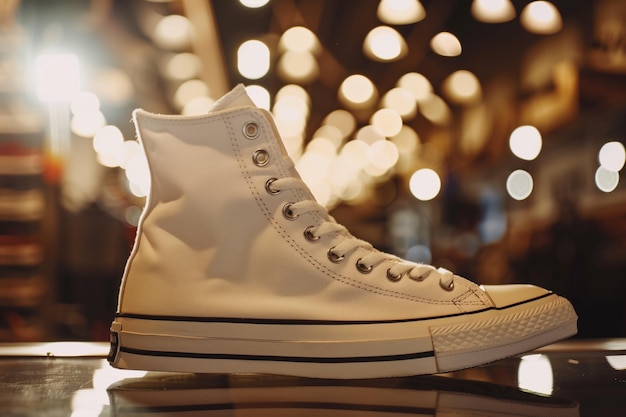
column 261, row 395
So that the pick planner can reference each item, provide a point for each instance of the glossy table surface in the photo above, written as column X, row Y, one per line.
column 573, row 378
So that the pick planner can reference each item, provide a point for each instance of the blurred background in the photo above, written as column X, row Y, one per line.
column 484, row 136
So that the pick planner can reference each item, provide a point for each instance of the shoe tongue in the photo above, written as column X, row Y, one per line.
column 237, row 97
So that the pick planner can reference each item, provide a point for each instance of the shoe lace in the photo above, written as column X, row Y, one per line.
column 348, row 243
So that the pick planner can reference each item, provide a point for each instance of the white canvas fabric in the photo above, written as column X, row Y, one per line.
column 236, row 268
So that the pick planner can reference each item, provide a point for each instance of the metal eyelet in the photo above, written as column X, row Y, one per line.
column 261, row 157
column 393, row 277
column 448, row 287
column 288, row 213
column 308, row 234
column 362, row 268
column 251, row 130
column 334, row 258
column 268, row 186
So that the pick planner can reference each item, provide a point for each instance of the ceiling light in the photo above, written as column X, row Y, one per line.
column 384, row 44
column 493, row 11
column 254, row 4
column 400, row 12
column 541, row 17
column 446, row 44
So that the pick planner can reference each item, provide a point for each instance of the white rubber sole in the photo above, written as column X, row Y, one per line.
column 340, row 350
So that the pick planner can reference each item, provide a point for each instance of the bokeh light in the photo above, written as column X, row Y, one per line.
column 526, row 142
column 541, row 17
column 425, row 184
column 400, row 12
column 446, row 44
column 612, row 156
column 493, row 11
column 384, row 43
column 519, row 184
column 606, row 180
column 253, row 59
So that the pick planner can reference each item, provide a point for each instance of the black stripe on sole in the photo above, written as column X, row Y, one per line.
column 299, row 359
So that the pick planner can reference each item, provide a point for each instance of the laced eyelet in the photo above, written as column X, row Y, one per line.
column 448, row 287
column 251, row 130
column 334, row 257
column 308, row 234
column 288, row 213
column 268, row 186
column 260, row 157
column 393, row 277
column 362, row 268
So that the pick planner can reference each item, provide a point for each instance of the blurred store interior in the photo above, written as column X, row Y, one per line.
column 483, row 136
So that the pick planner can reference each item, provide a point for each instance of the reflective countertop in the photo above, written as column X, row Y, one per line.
column 572, row 378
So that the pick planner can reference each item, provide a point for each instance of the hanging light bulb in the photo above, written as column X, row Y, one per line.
column 384, row 44
column 446, row 44
column 400, row 12
column 541, row 17
column 493, row 11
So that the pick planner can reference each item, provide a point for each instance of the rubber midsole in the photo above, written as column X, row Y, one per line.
column 494, row 332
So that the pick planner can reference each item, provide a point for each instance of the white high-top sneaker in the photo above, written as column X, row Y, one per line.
column 236, row 268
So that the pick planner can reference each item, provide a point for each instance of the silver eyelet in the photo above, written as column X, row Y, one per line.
column 260, row 157
column 308, row 234
column 393, row 277
column 289, row 215
column 268, row 186
column 334, row 257
column 251, row 130
column 362, row 268
column 449, row 287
